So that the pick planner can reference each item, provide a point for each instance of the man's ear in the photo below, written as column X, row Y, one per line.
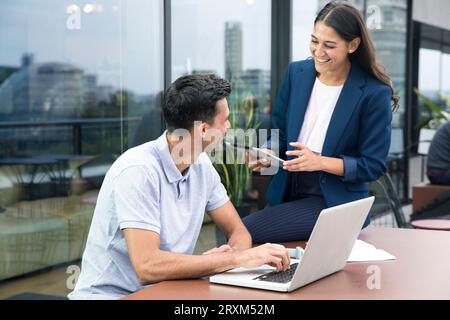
column 202, row 128
column 354, row 45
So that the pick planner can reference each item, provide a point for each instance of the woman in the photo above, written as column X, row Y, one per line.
column 333, row 113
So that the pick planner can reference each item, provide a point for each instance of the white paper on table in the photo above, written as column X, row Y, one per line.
column 363, row 251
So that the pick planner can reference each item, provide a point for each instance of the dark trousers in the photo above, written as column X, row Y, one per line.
column 289, row 221
column 439, row 177
column 292, row 220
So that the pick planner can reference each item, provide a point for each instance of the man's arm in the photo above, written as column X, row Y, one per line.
column 227, row 218
column 153, row 265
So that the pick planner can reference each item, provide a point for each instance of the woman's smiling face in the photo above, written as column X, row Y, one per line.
column 328, row 49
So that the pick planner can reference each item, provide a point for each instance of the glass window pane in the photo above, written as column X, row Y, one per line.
column 79, row 84
column 229, row 38
column 429, row 70
column 434, row 83
column 303, row 15
column 429, row 78
column 445, row 72
column 387, row 23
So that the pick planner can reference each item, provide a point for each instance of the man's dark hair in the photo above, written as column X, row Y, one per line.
column 193, row 98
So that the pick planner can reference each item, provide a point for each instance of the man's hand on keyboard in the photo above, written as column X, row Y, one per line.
column 272, row 254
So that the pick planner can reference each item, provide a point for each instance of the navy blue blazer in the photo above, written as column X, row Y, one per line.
column 359, row 132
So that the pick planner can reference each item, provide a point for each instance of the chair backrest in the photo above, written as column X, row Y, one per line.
column 387, row 209
column 425, row 137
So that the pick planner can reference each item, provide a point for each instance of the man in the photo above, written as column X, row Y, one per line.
column 151, row 204
column 438, row 159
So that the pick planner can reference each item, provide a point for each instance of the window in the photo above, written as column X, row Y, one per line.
column 429, row 71
column 433, row 81
column 445, row 75
column 303, row 15
column 229, row 38
column 389, row 37
column 433, row 78
column 79, row 84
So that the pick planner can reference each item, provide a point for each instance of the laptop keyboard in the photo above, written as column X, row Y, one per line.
column 280, row 276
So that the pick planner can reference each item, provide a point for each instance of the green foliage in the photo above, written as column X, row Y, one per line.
column 234, row 173
column 436, row 114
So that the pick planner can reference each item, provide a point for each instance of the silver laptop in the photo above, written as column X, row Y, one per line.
column 326, row 252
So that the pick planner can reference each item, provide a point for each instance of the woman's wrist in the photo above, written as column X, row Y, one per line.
column 323, row 163
column 332, row 165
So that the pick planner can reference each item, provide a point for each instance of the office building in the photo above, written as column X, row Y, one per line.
column 233, row 49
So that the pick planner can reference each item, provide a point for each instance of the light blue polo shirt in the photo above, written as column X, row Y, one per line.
column 144, row 189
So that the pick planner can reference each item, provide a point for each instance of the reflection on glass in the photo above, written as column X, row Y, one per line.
column 303, row 15
column 445, row 74
column 79, row 83
column 231, row 39
column 389, row 36
column 434, row 82
column 429, row 80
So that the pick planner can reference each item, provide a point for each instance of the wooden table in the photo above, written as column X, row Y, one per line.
column 421, row 271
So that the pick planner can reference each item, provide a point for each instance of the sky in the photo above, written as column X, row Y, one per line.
column 431, row 75
column 302, row 26
column 198, row 31
column 121, row 41
column 132, row 58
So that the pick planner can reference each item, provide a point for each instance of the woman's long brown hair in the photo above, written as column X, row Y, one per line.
column 349, row 23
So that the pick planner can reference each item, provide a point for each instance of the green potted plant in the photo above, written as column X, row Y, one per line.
column 429, row 121
column 435, row 113
column 234, row 172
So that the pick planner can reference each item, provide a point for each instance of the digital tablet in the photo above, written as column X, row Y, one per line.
column 257, row 153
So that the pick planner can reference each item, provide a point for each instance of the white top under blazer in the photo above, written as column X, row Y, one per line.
column 318, row 115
